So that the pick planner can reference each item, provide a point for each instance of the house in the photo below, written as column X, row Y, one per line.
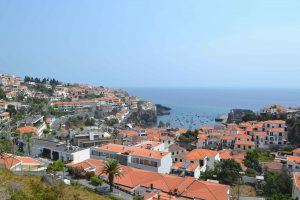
column 228, row 141
column 20, row 163
column 296, row 152
column 56, row 150
column 202, row 141
column 157, row 161
column 296, row 186
column 4, row 117
column 186, row 169
column 293, row 163
column 175, row 150
column 34, row 121
column 151, row 145
column 142, row 182
column 244, row 145
column 194, row 162
column 3, row 105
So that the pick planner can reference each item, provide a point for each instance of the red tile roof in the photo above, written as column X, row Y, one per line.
column 199, row 154
column 134, row 151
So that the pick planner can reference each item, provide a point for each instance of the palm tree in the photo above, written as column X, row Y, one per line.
column 29, row 142
column 112, row 169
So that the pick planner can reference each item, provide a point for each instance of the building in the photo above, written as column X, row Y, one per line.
column 244, row 145
column 142, row 182
column 34, row 121
column 157, row 161
column 175, row 150
column 151, row 145
column 56, row 150
column 293, row 163
column 4, row 117
column 20, row 163
column 296, row 186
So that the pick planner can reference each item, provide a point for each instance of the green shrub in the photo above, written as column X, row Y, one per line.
column 96, row 180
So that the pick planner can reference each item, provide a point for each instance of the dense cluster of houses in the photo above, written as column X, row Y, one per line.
column 154, row 163
column 244, row 136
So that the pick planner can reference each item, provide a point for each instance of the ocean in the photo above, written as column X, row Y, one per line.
column 192, row 107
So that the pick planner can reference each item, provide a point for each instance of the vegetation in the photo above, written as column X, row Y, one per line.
column 34, row 188
column 161, row 124
column 55, row 166
column 278, row 185
column 111, row 122
column 15, row 114
column 189, row 136
column 112, row 169
column 2, row 94
column 6, row 146
column 252, row 160
column 96, row 180
column 294, row 131
column 264, row 156
column 44, row 80
column 226, row 171
column 89, row 121
column 29, row 142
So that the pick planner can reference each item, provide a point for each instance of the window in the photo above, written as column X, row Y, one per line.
column 239, row 146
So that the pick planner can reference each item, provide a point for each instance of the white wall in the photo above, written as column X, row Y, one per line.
column 80, row 156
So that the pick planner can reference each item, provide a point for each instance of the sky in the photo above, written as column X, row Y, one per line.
column 153, row 43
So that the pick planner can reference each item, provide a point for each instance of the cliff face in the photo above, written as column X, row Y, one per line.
column 236, row 115
column 145, row 118
column 162, row 110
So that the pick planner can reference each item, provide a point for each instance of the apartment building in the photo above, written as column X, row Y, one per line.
column 156, row 161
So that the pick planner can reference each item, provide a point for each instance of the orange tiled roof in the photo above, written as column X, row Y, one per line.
column 228, row 137
column 260, row 133
column 147, row 144
column 296, row 150
column 198, row 154
column 5, row 114
column 295, row 159
column 276, row 130
column 177, row 165
column 225, row 154
column 192, row 166
column 28, row 129
column 297, row 180
column 243, row 136
column 275, row 122
column 134, row 151
column 244, row 143
column 202, row 136
column 129, row 133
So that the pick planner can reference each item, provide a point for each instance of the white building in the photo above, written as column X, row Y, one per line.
column 59, row 151
column 157, row 161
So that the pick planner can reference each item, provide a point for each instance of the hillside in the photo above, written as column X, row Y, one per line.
column 33, row 188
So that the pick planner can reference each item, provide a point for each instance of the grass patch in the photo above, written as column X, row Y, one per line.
column 31, row 187
column 264, row 156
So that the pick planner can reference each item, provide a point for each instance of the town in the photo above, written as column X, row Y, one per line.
column 108, row 141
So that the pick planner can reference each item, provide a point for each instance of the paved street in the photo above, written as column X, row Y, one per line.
column 103, row 189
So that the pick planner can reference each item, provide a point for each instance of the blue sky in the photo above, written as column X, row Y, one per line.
column 154, row 43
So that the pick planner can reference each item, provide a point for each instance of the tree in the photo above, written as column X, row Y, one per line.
column 6, row 146
column 55, row 166
column 2, row 94
column 277, row 183
column 252, row 160
column 29, row 142
column 96, row 180
column 226, row 171
column 112, row 169
column 161, row 124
